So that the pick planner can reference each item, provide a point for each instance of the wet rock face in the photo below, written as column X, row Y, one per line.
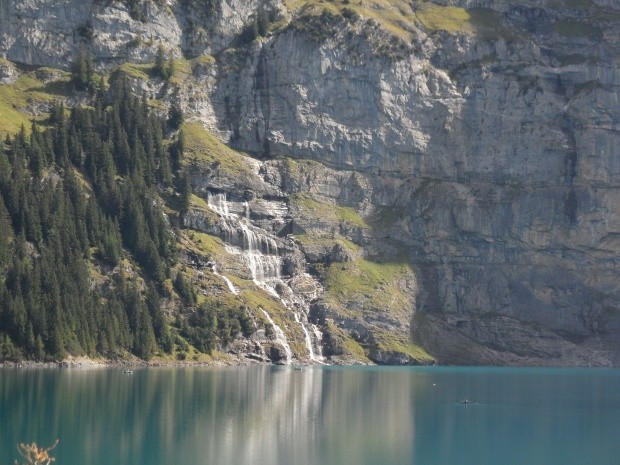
column 489, row 159
column 277, row 354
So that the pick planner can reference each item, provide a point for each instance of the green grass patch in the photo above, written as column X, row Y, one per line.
column 311, row 208
column 203, row 60
column 344, row 344
column 308, row 240
column 182, row 66
column 258, row 299
column 398, row 16
column 142, row 71
column 373, row 286
column 206, row 244
column 298, row 168
column 27, row 90
column 394, row 16
column 198, row 203
column 157, row 105
column 204, row 148
column 182, row 70
column 444, row 18
column 388, row 343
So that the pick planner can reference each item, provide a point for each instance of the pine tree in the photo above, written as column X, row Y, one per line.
column 175, row 116
column 170, row 67
column 5, row 168
column 6, row 235
column 185, row 193
column 185, row 290
column 160, row 62
column 262, row 23
column 107, row 164
column 82, row 71
column 176, row 151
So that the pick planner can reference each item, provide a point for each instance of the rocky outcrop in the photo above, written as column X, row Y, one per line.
column 508, row 144
column 49, row 32
column 482, row 149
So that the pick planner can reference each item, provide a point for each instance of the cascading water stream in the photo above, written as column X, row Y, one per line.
column 306, row 337
column 280, row 338
column 261, row 255
column 315, row 353
column 231, row 286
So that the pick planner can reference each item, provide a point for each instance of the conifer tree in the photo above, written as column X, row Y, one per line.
column 170, row 67
column 5, row 168
column 83, row 71
column 160, row 63
column 185, row 192
column 262, row 23
column 107, row 166
column 6, row 234
column 175, row 116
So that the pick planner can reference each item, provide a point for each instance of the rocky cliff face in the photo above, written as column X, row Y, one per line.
column 464, row 159
column 49, row 32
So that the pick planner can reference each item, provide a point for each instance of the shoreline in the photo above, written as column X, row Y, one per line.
column 88, row 363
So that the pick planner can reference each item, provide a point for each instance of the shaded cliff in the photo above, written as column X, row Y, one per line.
column 464, row 187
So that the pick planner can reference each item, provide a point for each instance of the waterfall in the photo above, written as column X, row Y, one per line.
column 260, row 253
column 218, row 204
column 246, row 207
column 315, row 352
column 280, row 338
column 318, row 336
column 307, row 338
column 231, row 286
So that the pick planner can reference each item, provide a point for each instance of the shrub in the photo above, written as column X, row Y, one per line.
column 35, row 455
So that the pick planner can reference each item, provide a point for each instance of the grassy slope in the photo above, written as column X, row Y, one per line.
column 359, row 287
column 379, row 285
column 28, row 92
column 312, row 208
column 204, row 148
column 399, row 17
column 395, row 16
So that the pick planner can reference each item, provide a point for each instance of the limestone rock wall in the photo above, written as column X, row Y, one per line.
column 514, row 143
column 499, row 147
column 49, row 32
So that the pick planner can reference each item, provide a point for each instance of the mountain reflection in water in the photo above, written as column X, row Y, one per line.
column 314, row 416
column 258, row 415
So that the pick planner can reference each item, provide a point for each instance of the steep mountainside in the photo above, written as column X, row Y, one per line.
column 385, row 180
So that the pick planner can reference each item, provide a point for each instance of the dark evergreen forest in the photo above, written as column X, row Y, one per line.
column 82, row 196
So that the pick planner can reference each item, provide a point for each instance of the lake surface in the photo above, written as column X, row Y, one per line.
column 329, row 415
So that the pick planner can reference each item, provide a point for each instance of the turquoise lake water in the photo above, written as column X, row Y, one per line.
column 329, row 415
